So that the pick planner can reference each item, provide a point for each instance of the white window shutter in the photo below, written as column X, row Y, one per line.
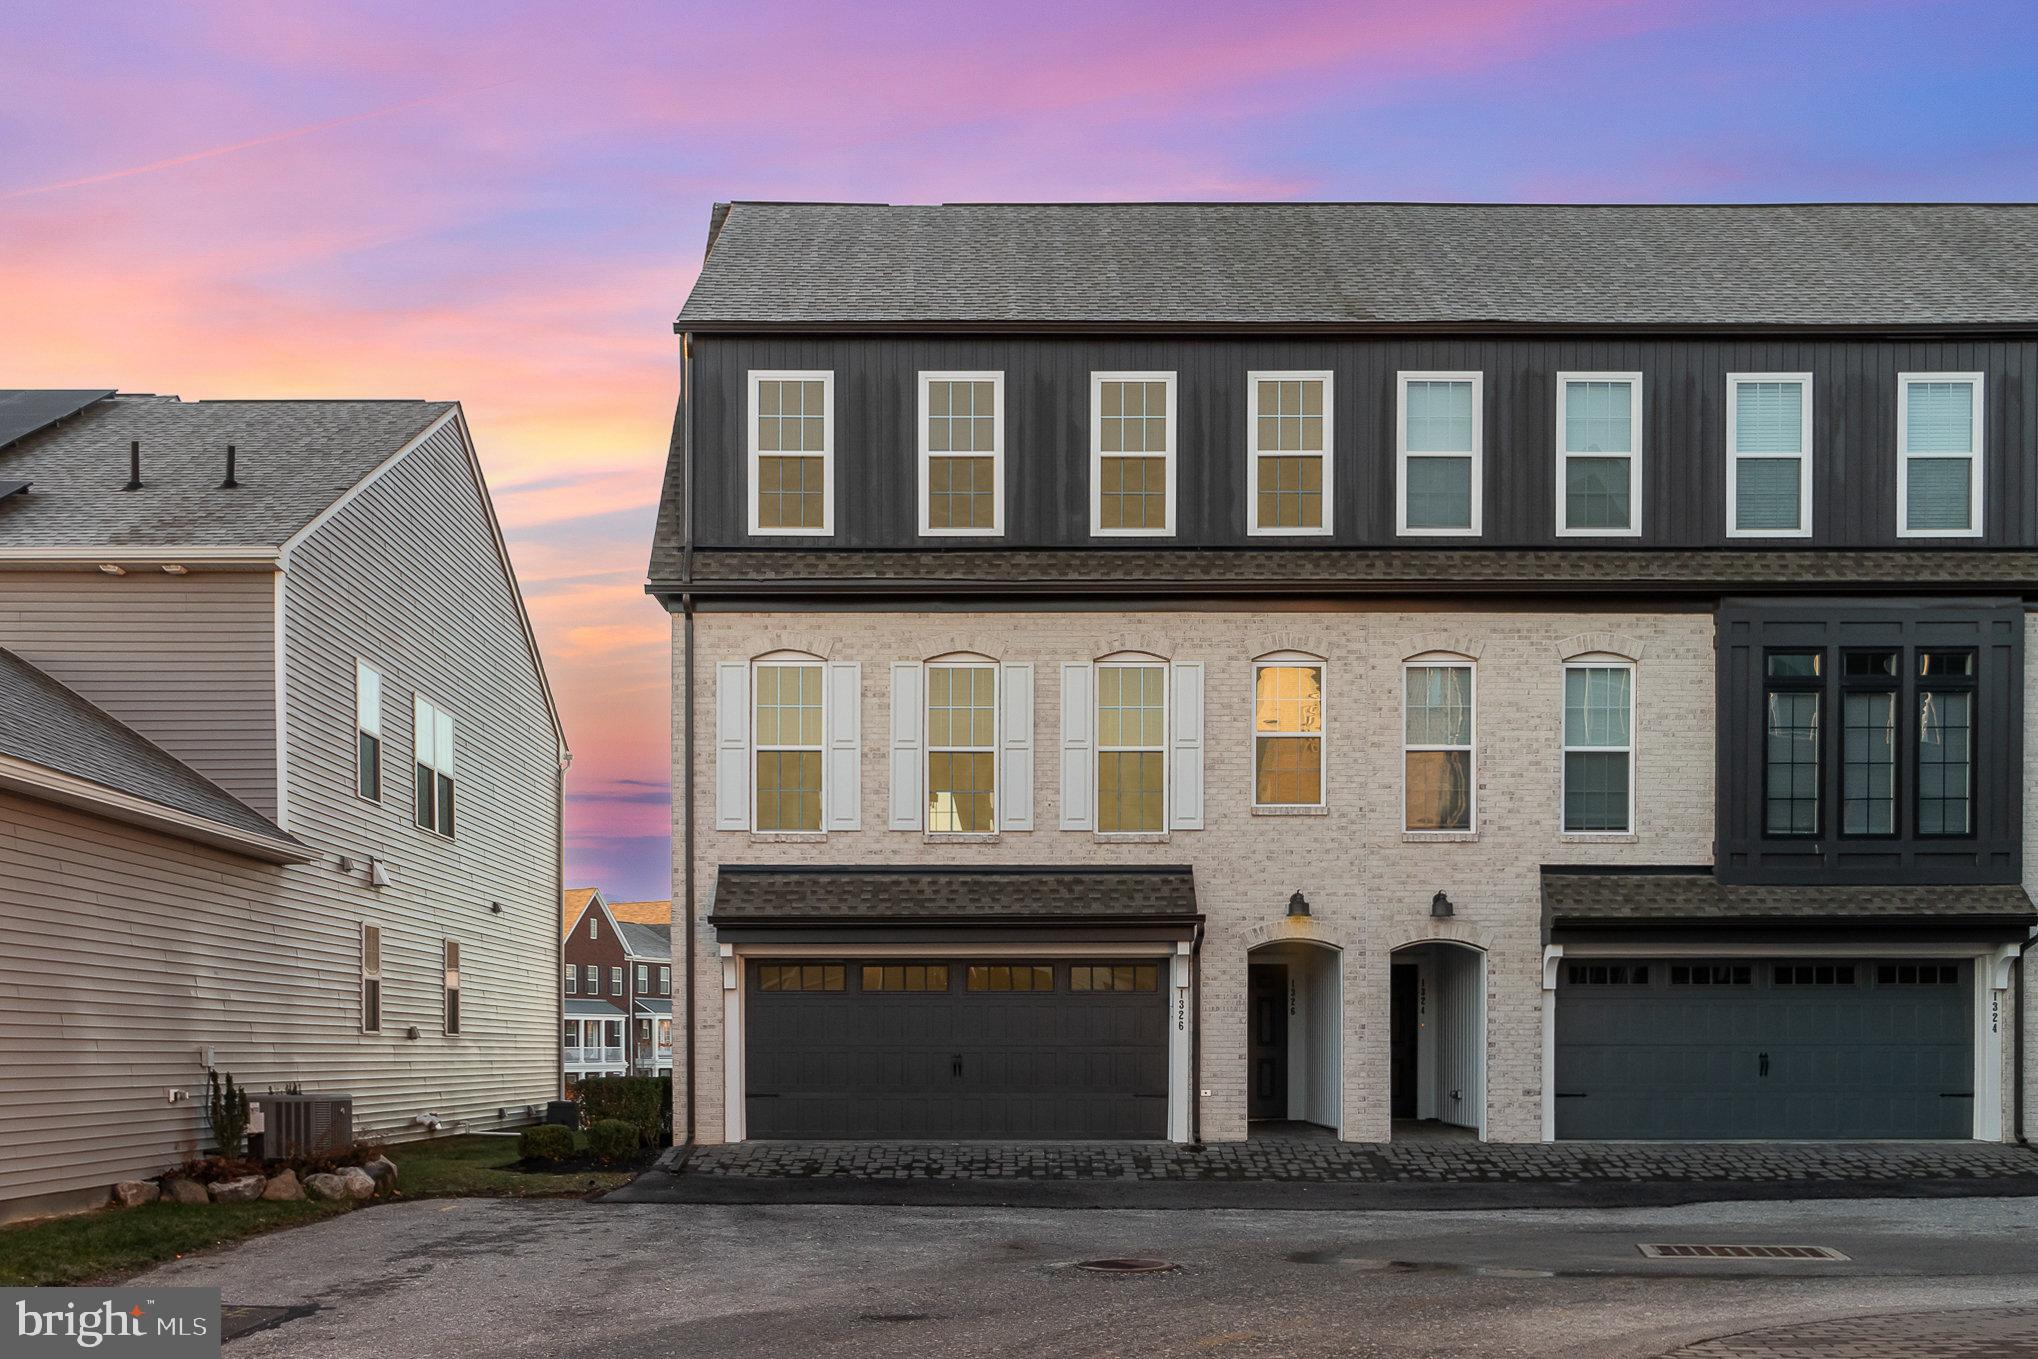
column 732, row 745
column 1015, row 757
column 844, row 790
column 909, row 715
column 1078, row 717
column 1185, row 765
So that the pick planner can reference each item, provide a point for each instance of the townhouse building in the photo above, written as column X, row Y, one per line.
column 1171, row 670
column 615, row 987
column 280, row 781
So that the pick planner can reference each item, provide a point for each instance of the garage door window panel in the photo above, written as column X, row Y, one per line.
column 1011, row 977
column 905, row 977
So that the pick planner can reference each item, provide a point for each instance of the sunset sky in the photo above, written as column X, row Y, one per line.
column 506, row 204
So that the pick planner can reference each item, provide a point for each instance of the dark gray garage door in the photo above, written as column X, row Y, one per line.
column 932, row 1048
column 1782, row 1048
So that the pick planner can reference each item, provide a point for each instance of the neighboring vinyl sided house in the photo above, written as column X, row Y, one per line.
column 221, row 838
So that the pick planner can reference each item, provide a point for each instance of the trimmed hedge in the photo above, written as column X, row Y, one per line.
column 546, row 1142
column 636, row 1100
column 612, row 1140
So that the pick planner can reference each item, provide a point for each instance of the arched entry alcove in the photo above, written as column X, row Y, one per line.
column 1295, row 1037
column 1437, row 1039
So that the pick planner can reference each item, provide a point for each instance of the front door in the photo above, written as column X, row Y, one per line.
column 1267, row 1002
column 1401, row 1040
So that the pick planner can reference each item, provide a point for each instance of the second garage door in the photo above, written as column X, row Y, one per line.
column 1783, row 1048
column 934, row 1048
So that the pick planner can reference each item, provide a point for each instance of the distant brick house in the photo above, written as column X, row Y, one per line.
column 615, row 987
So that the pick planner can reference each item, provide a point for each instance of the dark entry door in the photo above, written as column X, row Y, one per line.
column 1771, row 1048
column 1267, row 1000
column 1402, row 1039
column 938, row 1048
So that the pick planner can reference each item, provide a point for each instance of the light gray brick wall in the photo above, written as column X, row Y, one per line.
column 1370, row 888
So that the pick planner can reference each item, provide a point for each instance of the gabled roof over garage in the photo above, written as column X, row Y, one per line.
column 760, row 896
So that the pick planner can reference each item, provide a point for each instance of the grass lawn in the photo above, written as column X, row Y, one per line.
column 120, row 1241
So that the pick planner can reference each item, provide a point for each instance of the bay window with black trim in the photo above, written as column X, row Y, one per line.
column 1871, row 743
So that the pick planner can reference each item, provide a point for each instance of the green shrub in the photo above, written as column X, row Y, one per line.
column 636, row 1100
column 226, row 1112
column 546, row 1142
column 613, row 1140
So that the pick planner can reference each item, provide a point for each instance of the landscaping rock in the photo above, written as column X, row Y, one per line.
column 283, row 1187
column 185, row 1191
column 245, row 1189
column 134, row 1193
column 324, row 1186
column 383, row 1171
column 360, row 1184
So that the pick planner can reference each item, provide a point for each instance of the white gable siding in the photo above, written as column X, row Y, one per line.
column 187, row 661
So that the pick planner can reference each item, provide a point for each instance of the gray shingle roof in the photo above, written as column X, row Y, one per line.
column 295, row 458
column 1572, row 898
column 1371, row 264
column 747, row 894
column 580, row 1007
column 646, row 941
column 50, row 726
column 1166, row 570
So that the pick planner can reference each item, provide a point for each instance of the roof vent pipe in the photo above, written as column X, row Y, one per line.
column 134, row 465
column 229, row 484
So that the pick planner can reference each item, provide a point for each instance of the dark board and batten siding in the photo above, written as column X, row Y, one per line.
column 1047, row 433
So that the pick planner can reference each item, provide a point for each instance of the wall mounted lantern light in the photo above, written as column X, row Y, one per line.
column 1440, row 907
column 1298, row 905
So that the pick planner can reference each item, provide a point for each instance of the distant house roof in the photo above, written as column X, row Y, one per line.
column 580, row 1007
column 57, row 746
column 642, row 912
column 294, row 459
column 1339, row 265
column 654, row 1007
column 571, row 903
column 645, row 941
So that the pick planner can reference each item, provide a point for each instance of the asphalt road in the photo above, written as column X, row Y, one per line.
column 565, row 1278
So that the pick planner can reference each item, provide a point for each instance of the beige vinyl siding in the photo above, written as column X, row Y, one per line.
column 188, row 661
column 123, row 952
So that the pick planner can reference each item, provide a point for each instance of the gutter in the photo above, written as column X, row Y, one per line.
column 686, row 604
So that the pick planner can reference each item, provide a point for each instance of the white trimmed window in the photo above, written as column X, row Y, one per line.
column 1132, row 746
column 432, row 755
column 1599, row 748
column 451, row 960
column 593, row 979
column 1132, row 454
column 664, row 980
column 1599, row 455
column 1288, row 732
column 1939, row 455
column 1769, row 455
column 643, row 978
column 792, row 453
column 1438, row 788
column 616, row 987
column 1439, row 453
column 572, row 980
column 962, row 454
column 367, row 731
column 787, row 733
column 371, row 979
column 1289, row 431
column 962, row 747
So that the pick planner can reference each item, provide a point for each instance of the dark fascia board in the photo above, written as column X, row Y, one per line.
column 954, row 870
column 1066, row 920
column 1049, row 329
column 848, row 936
column 2010, row 926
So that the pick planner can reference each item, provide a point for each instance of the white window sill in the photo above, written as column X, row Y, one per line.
column 1291, row 811
column 787, row 837
column 960, row 838
column 1599, row 838
column 1439, row 837
column 1131, row 837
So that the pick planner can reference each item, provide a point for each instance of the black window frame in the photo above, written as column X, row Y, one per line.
column 1816, row 685
column 1893, row 685
column 1921, row 685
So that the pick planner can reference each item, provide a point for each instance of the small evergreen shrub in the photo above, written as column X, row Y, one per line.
column 612, row 1140
column 636, row 1100
column 546, row 1142
column 226, row 1112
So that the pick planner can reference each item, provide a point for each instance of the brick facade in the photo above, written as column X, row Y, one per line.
column 1370, row 886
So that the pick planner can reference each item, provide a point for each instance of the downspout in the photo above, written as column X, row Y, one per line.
column 1196, row 1041
column 687, row 751
column 2017, row 1131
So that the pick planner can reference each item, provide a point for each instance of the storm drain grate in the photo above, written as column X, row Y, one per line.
column 1741, row 1253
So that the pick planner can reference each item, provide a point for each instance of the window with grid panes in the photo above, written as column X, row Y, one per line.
column 1946, row 742
column 1868, row 742
column 1437, row 747
column 791, row 430
column 1793, row 697
column 1598, row 748
column 962, row 420
column 1290, row 431
column 962, row 751
column 1287, row 734
column 1135, row 444
column 786, row 737
column 1598, row 452
column 1439, row 440
column 1132, row 723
